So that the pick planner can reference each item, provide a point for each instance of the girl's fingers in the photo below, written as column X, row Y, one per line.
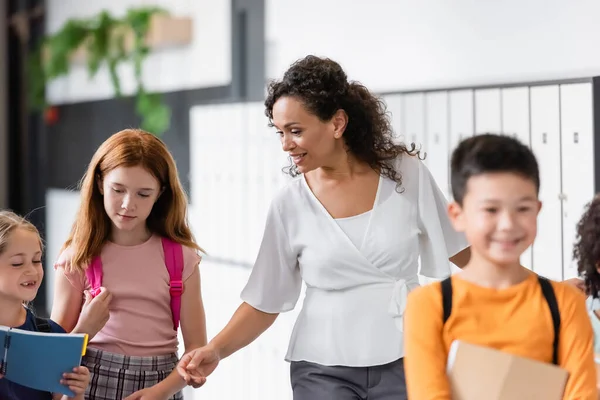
column 74, row 382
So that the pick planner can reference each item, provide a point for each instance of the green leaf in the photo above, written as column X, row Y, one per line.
column 103, row 37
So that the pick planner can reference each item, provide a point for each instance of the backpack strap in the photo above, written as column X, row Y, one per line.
column 94, row 275
column 447, row 297
column 174, row 262
column 549, row 295
column 547, row 291
column 42, row 325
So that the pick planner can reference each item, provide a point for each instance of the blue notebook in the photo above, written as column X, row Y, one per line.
column 38, row 360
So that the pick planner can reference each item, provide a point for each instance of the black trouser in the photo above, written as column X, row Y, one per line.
column 312, row 381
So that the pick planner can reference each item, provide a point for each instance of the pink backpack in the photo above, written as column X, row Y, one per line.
column 173, row 260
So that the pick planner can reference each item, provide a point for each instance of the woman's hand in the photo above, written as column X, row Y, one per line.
column 195, row 366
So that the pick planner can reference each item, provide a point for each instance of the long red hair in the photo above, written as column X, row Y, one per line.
column 168, row 218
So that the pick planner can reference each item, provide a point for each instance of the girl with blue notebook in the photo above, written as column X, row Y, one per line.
column 21, row 275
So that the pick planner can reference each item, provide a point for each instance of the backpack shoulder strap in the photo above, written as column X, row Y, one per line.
column 549, row 295
column 174, row 262
column 447, row 297
column 42, row 325
column 94, row 275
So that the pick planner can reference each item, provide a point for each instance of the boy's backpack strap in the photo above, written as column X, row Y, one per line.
column 447, row 297
column 94, row 275
column 549, row 295
column 174, row 262
column 42, row 325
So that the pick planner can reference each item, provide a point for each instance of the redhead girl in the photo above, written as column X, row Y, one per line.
column 132, row 203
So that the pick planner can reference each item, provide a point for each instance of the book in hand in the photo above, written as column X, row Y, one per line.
column 39, row 360
column 478, row 372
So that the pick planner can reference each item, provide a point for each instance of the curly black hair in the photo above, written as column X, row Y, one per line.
column 323, row 87
column 587, row 247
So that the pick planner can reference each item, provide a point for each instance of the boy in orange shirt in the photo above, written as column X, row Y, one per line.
column 494, row 301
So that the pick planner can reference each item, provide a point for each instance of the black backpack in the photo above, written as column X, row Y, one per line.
column 549, row 295
column 42, row 325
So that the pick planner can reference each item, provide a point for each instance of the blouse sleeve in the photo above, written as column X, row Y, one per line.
column 438, row 240
column 275, row 281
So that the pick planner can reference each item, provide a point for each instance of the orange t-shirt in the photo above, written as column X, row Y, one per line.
column 516, row 320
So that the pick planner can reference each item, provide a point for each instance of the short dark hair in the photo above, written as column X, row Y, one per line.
column 323, row 87
column 490, row 153
column 586, row 250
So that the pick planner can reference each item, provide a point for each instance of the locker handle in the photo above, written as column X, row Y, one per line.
column 544, row 137
column 575, row 137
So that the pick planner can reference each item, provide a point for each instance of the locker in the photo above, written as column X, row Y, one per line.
column 488, row 111
column 255, row 200
column 577, row 162
column 545, row 143
column 515, row 113
column 413, row 112
column 437, row 138
column 394, row 107
column 202, row 179
column 515, row 122
column 460, row 116
column 232, row 152
column 220, row 212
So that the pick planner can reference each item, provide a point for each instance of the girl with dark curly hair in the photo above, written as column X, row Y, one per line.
column 587, row 254
column 352, row 225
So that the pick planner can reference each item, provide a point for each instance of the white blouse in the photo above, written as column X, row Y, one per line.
column 356, row 295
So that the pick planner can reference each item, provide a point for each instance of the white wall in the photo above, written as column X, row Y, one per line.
column 205, row 62
column 402, row 44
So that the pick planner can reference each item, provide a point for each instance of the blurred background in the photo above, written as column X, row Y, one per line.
column 194, row 73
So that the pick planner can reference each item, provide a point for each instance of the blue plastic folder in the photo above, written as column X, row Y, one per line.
column 38, row 360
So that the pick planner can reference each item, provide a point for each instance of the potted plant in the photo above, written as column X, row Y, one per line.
column 101, row 39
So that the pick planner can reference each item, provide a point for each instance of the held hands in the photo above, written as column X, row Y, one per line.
column 195, row 366
column 77, row 381
column 94, row 313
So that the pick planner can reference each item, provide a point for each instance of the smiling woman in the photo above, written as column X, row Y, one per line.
column 352, row 226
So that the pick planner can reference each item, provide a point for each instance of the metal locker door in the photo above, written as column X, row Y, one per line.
column 515, row 113
column 203, row 121
column 577, row 132
column 437, row 139
column 545, row 143
column 261, row 138
column 461, row 116
column 232, row 152
column 515, row 122
column 413, row 113
column 488, row 111
column 394, row 108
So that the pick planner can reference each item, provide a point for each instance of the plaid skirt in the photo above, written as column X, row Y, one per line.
column 116, row 376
